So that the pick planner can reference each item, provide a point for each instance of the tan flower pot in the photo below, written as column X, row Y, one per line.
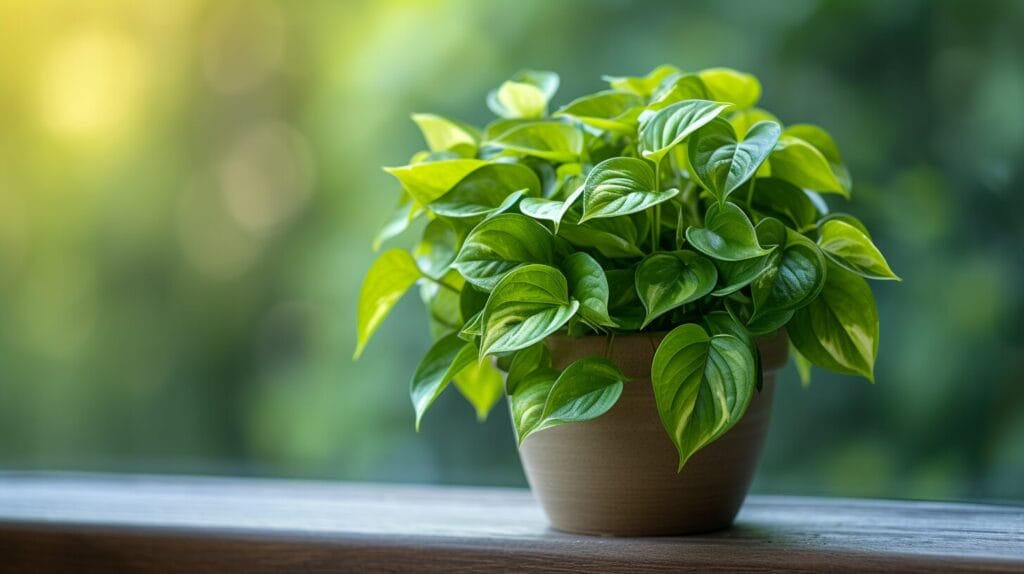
column 616, row 475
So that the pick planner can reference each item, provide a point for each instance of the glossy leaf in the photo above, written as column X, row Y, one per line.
column 794, row 276
column 665, row 281
column 448, row 356
column 589, row 286
column 436, row 251
column 527, row 401
column 442, row 134
column 801, row 164
column 425, row 182
column 585, row 390
column 839, row 330
column 621, row 186
column 526, row 95
column 824, row 143
column 727, row 234
column 642, row 85
column 482, row 385
column 524, row 363
column 684, row 87
column 552, row 141
column 728, row 85
column 486, row 190
column 702, row 386
column 526, row 306
column 390, row 276
column 721, row 162
column 778, row 198
column 735, row 275
column 624, row 305
column 613, row 237
column 611, row 110
column 743, row 120
column 550, row 209
column 499, row 245
column 849, row 248
column 666, row 128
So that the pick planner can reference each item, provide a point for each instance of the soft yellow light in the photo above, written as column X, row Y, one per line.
column 91, row 84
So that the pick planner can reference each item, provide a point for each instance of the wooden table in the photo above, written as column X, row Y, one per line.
column 109, row 523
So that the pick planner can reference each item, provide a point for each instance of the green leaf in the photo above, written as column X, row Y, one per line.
column 482, row 385
column 621, row 186
column 666, row 128
column 743, row 120
column 727, row 234
column 436, row 251
column 585, row 390
column 588, row 285
column 727, row 85
column 524, row 363
column 397, row 223
column 801, row 164
column 849, row 248
column 526, row 95
column 613, row 237
column 702, row 386
column 778, row 198
column 735, row 275
column 803, row 366
column 838, row 331
column 527, row 401
column 794, row 276
column 685, row 87
column 642, row 86
column 473, row 327
column 390, row 276
column 486, row 189
column 847, row 219
column 442, row 134
column 666, row 281
column 723, row 164
column 550, row 209
column 499, row 245
column 526, row 306
column 425, row 182
column 448, row 356
column 552, row 141
column 824, row 143
column 723, row 323
column 610, row 110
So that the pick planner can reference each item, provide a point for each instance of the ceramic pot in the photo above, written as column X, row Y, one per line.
column 616, row 475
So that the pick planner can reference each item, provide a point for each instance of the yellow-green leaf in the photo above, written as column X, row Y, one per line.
column 393, row 273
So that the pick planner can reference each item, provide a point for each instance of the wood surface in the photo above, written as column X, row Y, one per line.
column 110, row 523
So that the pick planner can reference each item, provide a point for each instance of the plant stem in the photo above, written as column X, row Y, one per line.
column 656, row 225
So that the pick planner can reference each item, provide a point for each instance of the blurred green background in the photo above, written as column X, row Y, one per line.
column 188, row 191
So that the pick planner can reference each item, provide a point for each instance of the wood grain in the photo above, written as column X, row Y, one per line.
column 96, row 523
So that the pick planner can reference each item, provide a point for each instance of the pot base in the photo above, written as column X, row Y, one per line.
column 616, row 475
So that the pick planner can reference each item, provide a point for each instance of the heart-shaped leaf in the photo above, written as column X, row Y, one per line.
column 778, row 198
column 443, row 361
column 614, row 237
column 589, row 286
column 735, row 275
column 642, row 85
column 552, row 141
column 849, row 248
column 721, row 162
column 727, row 234
column 801, row 164
column 666, row 281
column 486, row 189
column 667, row 127
column 611, row 110
column 585, row 390
column 621, row 186
column 794, row 276
column 526, row 95
column 526, row 306
column 685, row 87
column 743, row 120
column 839, row 330
column 499, row 245
column 702, row 386
column 728, row 85
column 443, row 134
column 524, row 363
column 550, row 209
column 824, row 143
column 482, row 384
column 390, row 276
column 527, row 401
column 427, row 181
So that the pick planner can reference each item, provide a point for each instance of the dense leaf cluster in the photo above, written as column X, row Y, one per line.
column 667, row 203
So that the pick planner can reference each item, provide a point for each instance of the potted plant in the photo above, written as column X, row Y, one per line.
column 630, row 271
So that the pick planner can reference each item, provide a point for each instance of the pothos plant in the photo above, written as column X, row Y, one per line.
column 666, row 203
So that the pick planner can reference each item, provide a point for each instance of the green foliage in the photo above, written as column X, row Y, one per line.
column 668, row 203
